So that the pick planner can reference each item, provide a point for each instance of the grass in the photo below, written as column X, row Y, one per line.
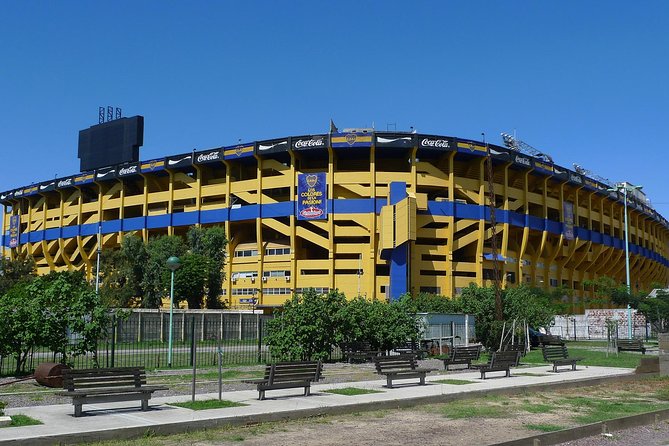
column 590, row 357
column 352, row 391
column 456, row 382
column 537, row 408
column 23, row 420
column 208, row 404
column 593, row 410
column 467, row 409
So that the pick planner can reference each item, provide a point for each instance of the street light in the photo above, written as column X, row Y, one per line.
column 173, row 263
column 624, row 187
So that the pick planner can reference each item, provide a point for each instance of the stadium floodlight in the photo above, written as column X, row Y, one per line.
column 173, row 263
column 624, row 187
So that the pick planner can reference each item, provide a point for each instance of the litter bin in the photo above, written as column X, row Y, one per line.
column 50, row 374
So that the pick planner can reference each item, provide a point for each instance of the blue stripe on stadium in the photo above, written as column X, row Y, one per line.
column 339, row 206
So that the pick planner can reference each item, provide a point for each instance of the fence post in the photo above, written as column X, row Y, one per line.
column 466, row 330
column 259, row 336
column 113, row 340
column 192, row 341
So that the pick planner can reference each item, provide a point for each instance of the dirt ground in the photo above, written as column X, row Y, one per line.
column 495, row 419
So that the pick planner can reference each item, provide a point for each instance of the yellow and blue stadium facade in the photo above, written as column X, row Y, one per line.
column 370, row 213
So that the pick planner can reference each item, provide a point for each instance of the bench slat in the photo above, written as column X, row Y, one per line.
column 400, row 367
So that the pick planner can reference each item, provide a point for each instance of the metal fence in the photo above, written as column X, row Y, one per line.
column 143, row 339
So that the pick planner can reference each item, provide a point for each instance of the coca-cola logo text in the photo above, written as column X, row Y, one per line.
column 63, row 183
column 576, row 179
column 127, row 170
column 211, row 156
column 302, row 143
column 521, row 160
column 434, row 143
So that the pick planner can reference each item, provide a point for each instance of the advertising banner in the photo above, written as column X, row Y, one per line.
column 128, row 169
column 543, row 166
column 309, row 142
column 346, row 140
column 208, row 156
column 394, row 140
column 312, row 196
column 273, row 146
column 47, row 186
column 472, row 147
column 14, row 230
column 152, row 165
column 182, row 160
column 426, row 142
column 568, row 224
column 560, row 173
column 108, row 173
column 239, row 151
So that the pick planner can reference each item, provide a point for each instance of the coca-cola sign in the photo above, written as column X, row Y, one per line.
column 309, row 142
column 522, row 160
column 435, row 143
column 128, row 170
column 574, row 178
column 65, row 182
column 208, row 157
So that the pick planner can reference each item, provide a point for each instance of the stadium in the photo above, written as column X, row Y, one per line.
column 370, row 213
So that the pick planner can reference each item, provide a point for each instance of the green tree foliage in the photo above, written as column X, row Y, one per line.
column 59, row 311
column 190, row 279
column 13, row 271
column 307, row 326
column 156, row 274
column 656, row 310
column 138, row 269
column 430, row 303
column 311, row 324
column 607, row 290
column 210, row 243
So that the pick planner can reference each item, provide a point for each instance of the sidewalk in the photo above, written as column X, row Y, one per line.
column 126, row 420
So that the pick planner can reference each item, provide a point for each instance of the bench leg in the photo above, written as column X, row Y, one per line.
column 261, row 395
column 77, row 410
column 145, row 404
column 422, row 380
column 389, row 382
column 307, row 390
column 482, row 374
column 555, row 368
column 508, row 373
column 573, row 365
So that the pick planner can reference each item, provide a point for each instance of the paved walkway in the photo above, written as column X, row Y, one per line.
column 126, row 420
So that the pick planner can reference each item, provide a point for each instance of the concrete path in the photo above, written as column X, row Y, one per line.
column 126, row 420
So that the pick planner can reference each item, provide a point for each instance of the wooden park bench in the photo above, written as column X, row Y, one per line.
column 463, row 355
column 632, row 345
column 400, row 367
column 516, row 347
column 108, row 385
column 500, row 362
column 411, row 348
column 288, row 375
column 359, row 352
column 558, row 355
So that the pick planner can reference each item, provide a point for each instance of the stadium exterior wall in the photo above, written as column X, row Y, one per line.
column 370, row 213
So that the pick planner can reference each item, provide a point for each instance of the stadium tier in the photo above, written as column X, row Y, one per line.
column 371, row 213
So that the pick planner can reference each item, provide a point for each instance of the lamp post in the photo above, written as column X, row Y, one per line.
column 173, row 263
column 624, row 187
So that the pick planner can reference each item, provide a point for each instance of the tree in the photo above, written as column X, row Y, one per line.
column 190, row 279
column 156, row 274
column 210, row 243
column 13, row 271
column 306, row 327
column 656, row 310
column 60, row 311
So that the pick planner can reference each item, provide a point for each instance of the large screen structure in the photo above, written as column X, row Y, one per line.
column 110, row 143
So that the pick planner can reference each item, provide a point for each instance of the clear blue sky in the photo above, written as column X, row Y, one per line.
column 587, row 82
